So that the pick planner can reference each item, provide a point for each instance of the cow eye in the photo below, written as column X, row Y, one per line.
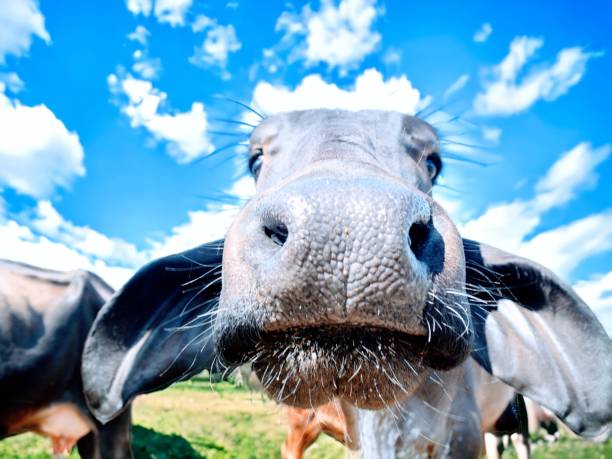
column 434, row 165
column 255, row 162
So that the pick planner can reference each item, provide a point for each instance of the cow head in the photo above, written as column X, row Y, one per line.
column 343, row 277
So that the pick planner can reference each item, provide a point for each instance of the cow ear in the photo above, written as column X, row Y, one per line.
column 154, row 331
column 534, row 333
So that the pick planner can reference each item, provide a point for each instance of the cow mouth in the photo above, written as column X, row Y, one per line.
column 368, row 366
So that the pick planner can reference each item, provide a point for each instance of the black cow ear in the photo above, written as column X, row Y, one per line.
column 534, row 333
column 156, row 330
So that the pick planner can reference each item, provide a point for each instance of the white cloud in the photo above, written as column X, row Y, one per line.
column 19, row 21
column 339, row 36
column 503, row 225
column 574, row 171
column 37, row 152
column 597, row 293
column 392, row 57
column 219, row 42
column 202, row 22
column 46, row 240
column 147, row 67
column 370, row 91
column 483, row 33
column 507, row 225
column 521, row 50
column 204, row 225
column 597, row 289
column 12, row 82
column 47, row 221
column 172, row 12
column 20, row 244
column 491, row 134
column 563, row 248
column 272, row 61
column 457, row 85
column 449, row 201
column 504, row 94
column 184, row 132
column 140, row 35
column 143, row 7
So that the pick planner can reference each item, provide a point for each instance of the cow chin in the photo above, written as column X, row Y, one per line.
column 370, row 367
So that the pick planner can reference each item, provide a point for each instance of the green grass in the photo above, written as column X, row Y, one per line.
column 570, row 448
column 193, row 420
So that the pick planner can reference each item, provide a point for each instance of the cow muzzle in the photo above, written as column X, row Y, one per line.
column 328, row 283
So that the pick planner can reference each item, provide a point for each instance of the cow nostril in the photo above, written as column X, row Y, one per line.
column 418, row 236
column 278, row 233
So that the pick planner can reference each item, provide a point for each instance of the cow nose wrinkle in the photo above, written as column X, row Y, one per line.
column 418, row 235
column 277, row 233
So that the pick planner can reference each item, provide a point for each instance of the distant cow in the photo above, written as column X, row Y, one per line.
column 511, row 426
column 520, row 420
column 344, row 278
column 44, row 319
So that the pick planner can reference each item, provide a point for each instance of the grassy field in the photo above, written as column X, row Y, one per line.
column 191, row 420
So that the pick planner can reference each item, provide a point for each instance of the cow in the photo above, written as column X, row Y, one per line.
column 343, row 278
column 512, row 426
column 519, row 421
column 45, row 317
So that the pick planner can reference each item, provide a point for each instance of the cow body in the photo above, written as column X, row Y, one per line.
column 44, row 319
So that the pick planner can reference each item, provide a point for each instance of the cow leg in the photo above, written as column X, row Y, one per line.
column 111, row 441
column 304, row 429
column 491, row 446
column 296, row 444
column 521, row 445
column 298, row 441
column 520, row 440
column 88, row 447
column 335, row 427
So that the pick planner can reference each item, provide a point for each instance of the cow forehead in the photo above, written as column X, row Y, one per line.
column 378, row 125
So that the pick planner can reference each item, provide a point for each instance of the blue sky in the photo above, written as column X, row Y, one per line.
column 108, row 111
